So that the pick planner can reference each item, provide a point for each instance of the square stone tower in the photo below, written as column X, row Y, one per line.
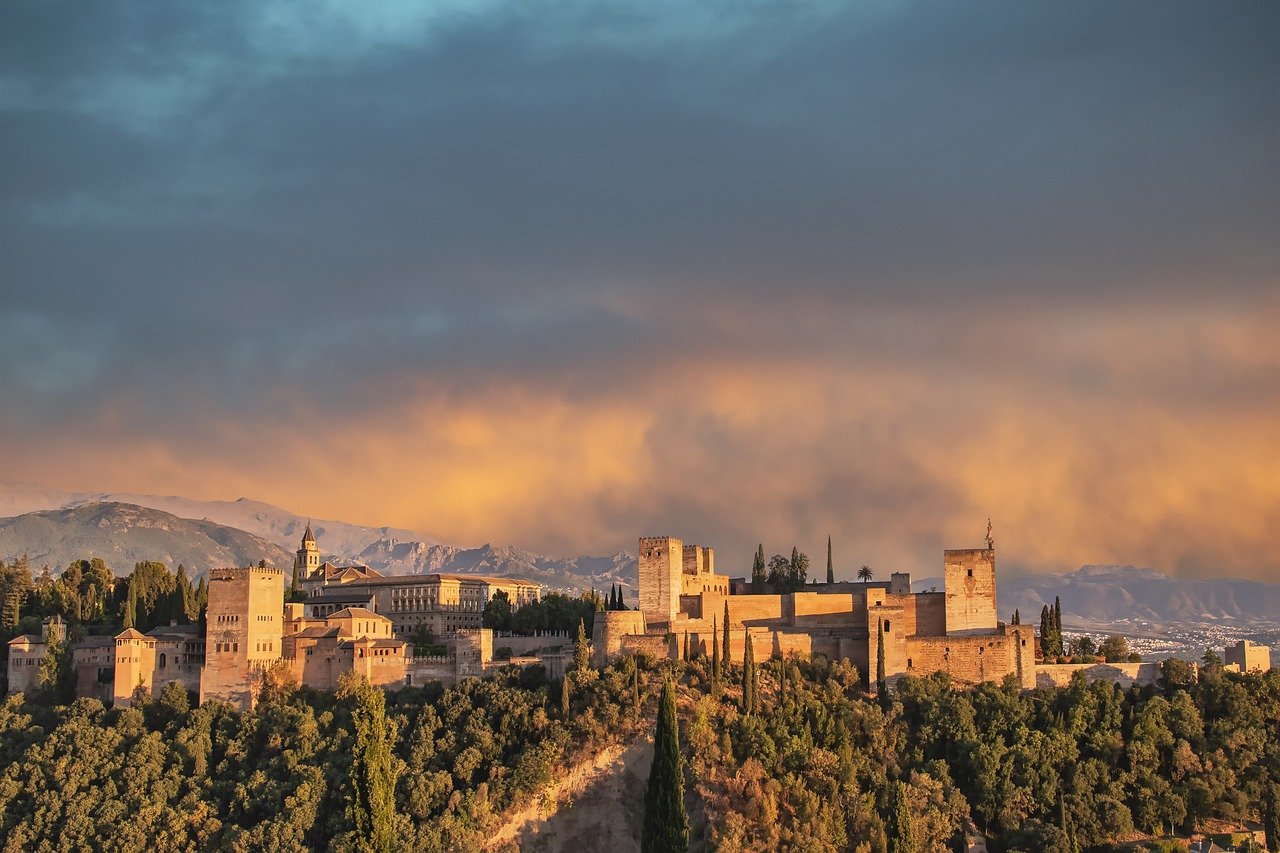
column 970, row 578
column 661, row 566
column 244, row 625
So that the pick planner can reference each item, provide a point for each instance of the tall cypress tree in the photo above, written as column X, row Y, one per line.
column 782, row 681
column 666, row 826
column 685, row 657
column 373, row 778
column 831, row 572
column 1057, row 625
column 131, row 604
column 1017, row 619
column 902, row 838
column 582, row 650
column 564, row 698
column 759, row 574
column 1271, row 815
column 748, row 677
column 1046, row 632
column 724, row 650
column 715, row 652
column 879, row 656
column 635, row 688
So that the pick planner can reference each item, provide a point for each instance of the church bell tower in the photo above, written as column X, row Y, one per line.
column 308, row 560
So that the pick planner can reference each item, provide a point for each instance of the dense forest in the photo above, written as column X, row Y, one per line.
column 805, row 761
column 817, row 766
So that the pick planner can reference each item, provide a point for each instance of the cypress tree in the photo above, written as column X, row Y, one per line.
column 748, row 677
column 1017, row 619
column 686, row 647
column 831, row 572
column 635, row 688
column 1057, row 625
column 782, row 682
column 1271, row 816
column 666, row 826
column 581, row 651
column 902, row 839
column 564, row 698
column 1046, row 632
column 373, row 777
column 879, row 656
column 131, row 604
column 715, row 652
column 724, row 651
column 759, row 573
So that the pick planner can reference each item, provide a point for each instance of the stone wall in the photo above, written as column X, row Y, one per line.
column 656, row 646
column 1124, row 674
column 975, row 658
column 608, row 631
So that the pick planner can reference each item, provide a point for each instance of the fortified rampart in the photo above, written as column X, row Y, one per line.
column 1124, row 674
column 954, row 631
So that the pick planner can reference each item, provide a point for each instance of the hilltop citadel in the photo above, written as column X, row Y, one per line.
column 353, row 619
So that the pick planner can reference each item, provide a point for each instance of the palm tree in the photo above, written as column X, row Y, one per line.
column 865, row 574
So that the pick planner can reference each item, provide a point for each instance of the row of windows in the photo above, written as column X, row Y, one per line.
column 228, row 647
column 265, row 647
column 229, row 617
column 265, row 618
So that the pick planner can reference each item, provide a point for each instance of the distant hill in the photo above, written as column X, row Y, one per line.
column 284, row 528
column 390, row 550
column 124, row 534
column 1097, row 597
column 410, row 558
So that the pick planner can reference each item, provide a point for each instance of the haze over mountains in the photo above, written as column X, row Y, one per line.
column 55, row 527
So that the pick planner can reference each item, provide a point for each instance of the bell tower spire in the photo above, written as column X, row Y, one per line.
column 307, row 561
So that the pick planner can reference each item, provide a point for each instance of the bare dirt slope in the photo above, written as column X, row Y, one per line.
column 597, row 806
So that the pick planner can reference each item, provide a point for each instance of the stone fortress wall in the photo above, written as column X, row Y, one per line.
column 954, row 631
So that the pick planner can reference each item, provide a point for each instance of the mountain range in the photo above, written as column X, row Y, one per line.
column 54, row 527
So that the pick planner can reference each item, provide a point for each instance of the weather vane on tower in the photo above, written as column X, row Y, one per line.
column 991, row 543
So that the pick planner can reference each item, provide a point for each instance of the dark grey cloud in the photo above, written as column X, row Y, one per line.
column 261, row 210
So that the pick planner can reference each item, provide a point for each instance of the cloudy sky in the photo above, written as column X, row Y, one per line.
column 563, row 274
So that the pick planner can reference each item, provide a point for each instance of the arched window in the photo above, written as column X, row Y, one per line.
column 162, row 660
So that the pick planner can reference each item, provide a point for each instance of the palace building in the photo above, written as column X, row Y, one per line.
column 443, row 603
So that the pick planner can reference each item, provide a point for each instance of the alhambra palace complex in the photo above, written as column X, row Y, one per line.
column 355, row 619
column 955, row 631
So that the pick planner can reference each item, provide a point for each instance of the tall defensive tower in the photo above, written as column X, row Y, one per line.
column 970, row 578
column 244, row 625
column 661, row 565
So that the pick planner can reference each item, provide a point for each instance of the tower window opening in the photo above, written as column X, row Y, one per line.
column 971, row 573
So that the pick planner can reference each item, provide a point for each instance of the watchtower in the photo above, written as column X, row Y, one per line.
column 970, row 578
column 244, row 624
column 661, row 566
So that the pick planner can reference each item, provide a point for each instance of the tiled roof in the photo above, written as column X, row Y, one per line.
column 355, row 613
column 28, row 638
column 317, row 631
column 94, row 642
column 131, row 634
